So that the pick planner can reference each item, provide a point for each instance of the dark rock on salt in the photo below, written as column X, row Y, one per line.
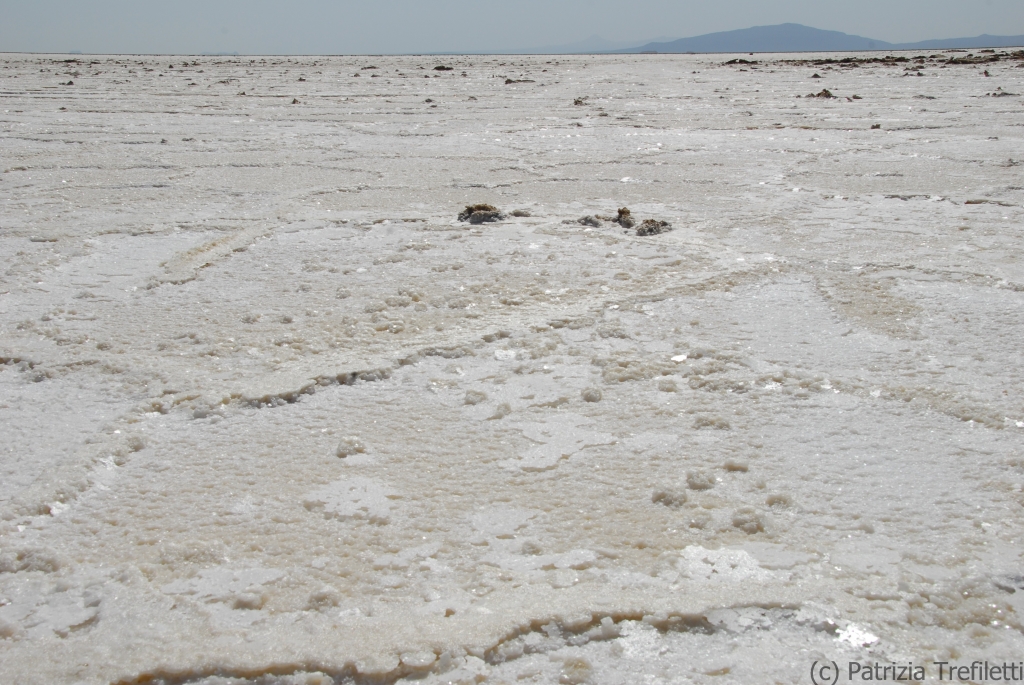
column 624, row 218
column 653, row 227
column 479, row 214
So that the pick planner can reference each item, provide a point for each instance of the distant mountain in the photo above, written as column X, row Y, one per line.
column 799, row 38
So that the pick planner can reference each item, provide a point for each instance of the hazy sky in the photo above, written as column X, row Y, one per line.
column 409, row 26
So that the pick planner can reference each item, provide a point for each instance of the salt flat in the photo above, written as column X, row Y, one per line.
column 272, row 414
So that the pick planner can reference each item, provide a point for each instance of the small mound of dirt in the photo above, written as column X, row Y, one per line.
column 653, row 227
column 624, row 218
column 479, row 214
column 825, row 93
column 484, row 217
column 521, row 213
column 588, row 221
column 441, row 67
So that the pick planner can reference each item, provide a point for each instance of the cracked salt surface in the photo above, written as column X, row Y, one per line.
column 272, row 415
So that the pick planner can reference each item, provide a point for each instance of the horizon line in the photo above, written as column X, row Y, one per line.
column 477, row 54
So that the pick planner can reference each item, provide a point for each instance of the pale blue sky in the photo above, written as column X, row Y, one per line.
column 409, row 26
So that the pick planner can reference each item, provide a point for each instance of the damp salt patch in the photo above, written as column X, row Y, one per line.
column 356, row 498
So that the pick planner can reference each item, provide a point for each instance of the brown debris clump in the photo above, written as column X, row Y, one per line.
column 478, row 214
column 624, row 218
column 653, row 227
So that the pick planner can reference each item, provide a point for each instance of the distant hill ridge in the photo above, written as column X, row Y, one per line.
column 799, row 38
